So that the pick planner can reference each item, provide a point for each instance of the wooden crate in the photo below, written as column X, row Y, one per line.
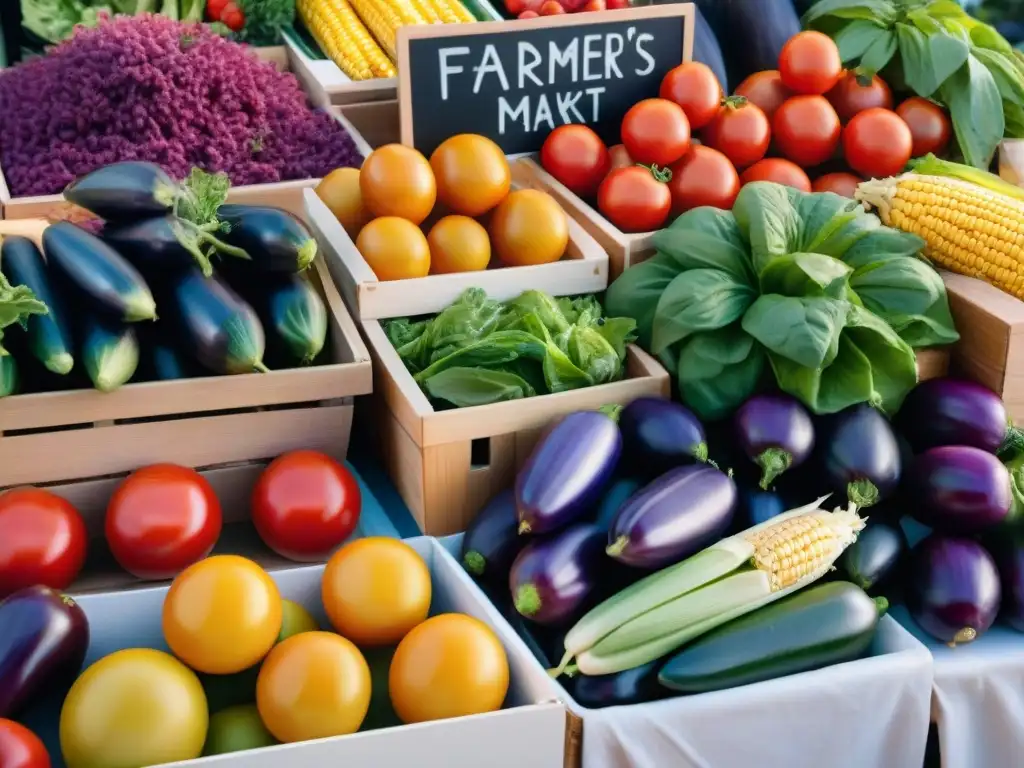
column 1011, row 161
column 624, row 249
column 328, row 86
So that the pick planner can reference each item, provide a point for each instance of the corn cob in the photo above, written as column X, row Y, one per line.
column 383, row 17
column 728, row 579
column 343, row 37
column 452, row 11
column 966, row 228
column 930, row 165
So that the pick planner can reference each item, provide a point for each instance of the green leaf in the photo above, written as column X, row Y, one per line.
column 804, row 330
column 893, row 363
column 946, row 8
column 934, row 327
column 17, row 303
column 830, row 223
column 466, row 387
column 593, row 354
column 617, row 331
column 494, row 350
column 805, row 274
column 880, row 11
column 898, row 287
column 719, row 370
column 1004, row 72
column 636, row 292
column 769, row 220
column 880, row 53
column 976, row 110
column 847, row 381
column 203, row 193
column 561, row 374
column 856, row 38
column 985, row 36
column 707, row 238
column 915, row 55
column 1014, row 115
column 698, row 300
column 880, row 245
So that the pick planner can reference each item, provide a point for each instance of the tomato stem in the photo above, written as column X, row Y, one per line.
column 734, row 102
column 664, row 175
column 864, row 76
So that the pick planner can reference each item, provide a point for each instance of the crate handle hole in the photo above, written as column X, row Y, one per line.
column 480, row 453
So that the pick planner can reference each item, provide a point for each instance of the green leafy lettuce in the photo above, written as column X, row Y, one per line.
column 17, row 303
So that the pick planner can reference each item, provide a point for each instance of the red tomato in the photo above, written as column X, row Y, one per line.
column 765, row 90
column 42, row 540
column 232, row 17
column 620, row 157
column 806, row 130
column 656, row 132
column 515, row 7
column 778, row 170
column 740, row 131
column 577, row 157
column 929, row 126
column 20, row 748
column 214, row 8
column 161, row 519
column 844, row 184
column 634, row 199
column 305, row 504
column 528, row 15
column 703, row 177
column 551, row 8
column 809, row 63
column 594, row 5
column 877, row 143
column 855, row 93
column 617, row 5
column 694, row 87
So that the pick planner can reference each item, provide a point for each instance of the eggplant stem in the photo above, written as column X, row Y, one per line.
column 474, row 562
column 1013, row 443
column 618, row 546
column 524, row 527
column 773, row 462
column 563, row 665
column 881, row 605
column 700, row 452
column 259, row 367
column 222, row 247
column 862, row 493
column 306, row 254
column 611, row 411
column 527, row 600
column 571, row 671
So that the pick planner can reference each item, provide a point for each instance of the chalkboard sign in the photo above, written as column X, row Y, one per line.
column 515, row 81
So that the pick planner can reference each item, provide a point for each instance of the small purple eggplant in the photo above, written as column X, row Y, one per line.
column 659, row 434
column 859, row 455
column 680, row 513
column 492, row 540
column 941, row 412
column 552, row 578
column 43, row 639
column 953, row 590
column 875, row 558
column 567, row 472
column 776, row 433
column 959, row 490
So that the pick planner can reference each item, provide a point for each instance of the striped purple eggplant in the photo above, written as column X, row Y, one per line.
column 567, row 471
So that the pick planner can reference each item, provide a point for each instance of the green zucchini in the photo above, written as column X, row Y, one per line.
column 110, row 353
column 8, row 375
column 817, row 627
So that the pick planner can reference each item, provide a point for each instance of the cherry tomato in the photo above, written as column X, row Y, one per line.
column 694, row 87
column 515, row 7
column 656, row 132
column 616, row 5
column 809, row 63
column 593, row 5
column 929, row 126
column 877, row 143
column 740, row 131
column 854, row 93
column 778, row 170
column 528, row 15
column 161, row 519
column 214, row 8
column 806, row 130
column 42, row 540
column 551, row 8
column 704, row 176
column 577, row 157
column 305, row 504
column 232, row 17
column 634, row 199
column 20, row 748
column 765, row 90
column 620, row 157
column 844, row 184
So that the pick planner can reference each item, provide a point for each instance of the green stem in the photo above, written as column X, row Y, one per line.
column 222, row 247
column 1013, row 442
column 773, row 462
column 618, row 546
column 474, row 562
column 563, row 665
column 700, row 452
column 862, row 493
column 527, row 600
column 259, row 367
column 611, row 411
column 882, row 606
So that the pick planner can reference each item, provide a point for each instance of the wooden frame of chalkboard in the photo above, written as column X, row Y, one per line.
column 493, row 78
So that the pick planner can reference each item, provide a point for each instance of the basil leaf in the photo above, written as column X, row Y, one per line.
column 16, row 304
column 698, row 300
column 466, row 387
column 805, row 274
column 770, row 221
column 804, row 330
column 636, row 293
column 915, row 54
column 880, row 11
column 976, row 110
column 831, row 223
column 933, row 327
column 880, row 53
column 718, row 370
column 898, row 287
column 945, row 8
column 893, row 364
column 880, row 245
column 707, row 238
column 855, row 38
column 1004, row 72
column 847, row 381
column 985, row 36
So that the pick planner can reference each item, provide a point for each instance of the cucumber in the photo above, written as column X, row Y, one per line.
column 816, row 627
column 8, row 375
column 48, row 336
column 110, row 353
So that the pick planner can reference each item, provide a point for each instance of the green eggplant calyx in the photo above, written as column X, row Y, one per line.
column 882, row 606
column 700, row 452
column 618, row 546
column 474, row 562
column 527, row 600
column 140, row 306
column 862, row 493
column 306, row 254
column 1013, row 443
column 188, row 236
column 166, row 194
column 773, row 462
column 965, row 635
column 524, row 527
column 60, row 364
column 612, row 411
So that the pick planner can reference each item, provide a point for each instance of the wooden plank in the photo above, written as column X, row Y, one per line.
column 376, row 121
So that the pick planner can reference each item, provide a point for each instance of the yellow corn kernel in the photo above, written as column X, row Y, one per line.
column 794, row 548
column 426, row 9
column 344, row 39
column 452, row 11
column 383, row 17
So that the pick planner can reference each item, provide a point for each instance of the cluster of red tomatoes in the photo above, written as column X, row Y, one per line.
column 165, row 517
column 531, row 9
column 808, row 117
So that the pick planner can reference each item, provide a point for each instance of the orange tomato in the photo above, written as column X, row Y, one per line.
column 449, row 666
column 312, row 686
column 375, row 590
column 395, row 248
column 339, row 191
column 458, row 244
column 222, row 614
column 396, row 180
column 472, row 174
column 528, row 228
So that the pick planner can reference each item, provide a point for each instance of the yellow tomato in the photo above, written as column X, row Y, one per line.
column 458, row 244
column 313, row 685
column 133, row 708
column 294, row 620
column 339, row 190
column 449, row 666
column 375, row 590
column 395, row 248
column 396, row 180
column 528, row 228
column 222, row 614
column 472, row 174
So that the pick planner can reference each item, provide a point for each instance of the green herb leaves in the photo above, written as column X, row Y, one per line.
column 16, row 304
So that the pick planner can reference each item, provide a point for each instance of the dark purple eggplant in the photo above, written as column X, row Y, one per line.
column 634, row 686
column 1008, row 552
column 859, row 455
column 776, row 433
column 43, row 639
column 941, row 412
column 165, row 244
column 953, row 590
column 679, row 514
column 567, row 472
column 659, row 434
column 275, row 240
column 552, row 577
column 126, row 191
column 613, row 499
column 959, row 490
column 876, row 557
column 492, row 540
